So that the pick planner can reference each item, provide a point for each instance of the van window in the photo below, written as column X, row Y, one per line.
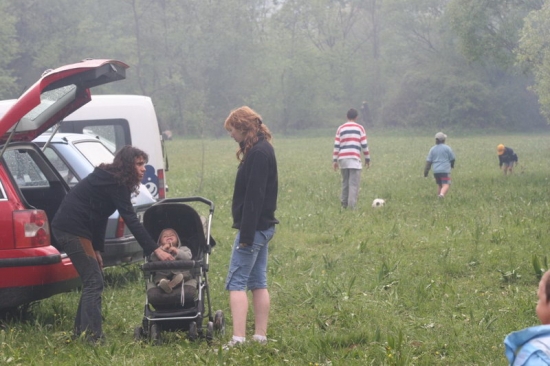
column 114, row 133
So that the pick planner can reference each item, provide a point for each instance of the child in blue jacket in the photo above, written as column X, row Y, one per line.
column 531, row 346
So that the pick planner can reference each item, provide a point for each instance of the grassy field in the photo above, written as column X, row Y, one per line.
column 420, row 281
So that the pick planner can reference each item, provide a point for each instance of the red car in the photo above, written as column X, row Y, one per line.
column 31, row 189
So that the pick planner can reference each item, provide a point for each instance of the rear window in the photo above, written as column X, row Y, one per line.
column 95, row 152
column 67, row 174
column 24, row 169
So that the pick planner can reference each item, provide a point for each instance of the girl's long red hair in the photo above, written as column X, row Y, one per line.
column 248, row 122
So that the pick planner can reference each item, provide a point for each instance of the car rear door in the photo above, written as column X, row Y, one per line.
column 54, row 96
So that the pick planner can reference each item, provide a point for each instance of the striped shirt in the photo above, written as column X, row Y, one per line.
column 350, row 140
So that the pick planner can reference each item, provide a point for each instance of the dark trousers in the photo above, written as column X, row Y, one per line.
column 88, row 315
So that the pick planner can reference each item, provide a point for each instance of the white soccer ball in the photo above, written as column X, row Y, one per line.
column 378, row 202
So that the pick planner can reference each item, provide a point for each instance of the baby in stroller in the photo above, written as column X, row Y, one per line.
column 167, row 280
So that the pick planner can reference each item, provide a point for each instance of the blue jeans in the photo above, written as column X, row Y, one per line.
column 82, row 254
column 248, row 266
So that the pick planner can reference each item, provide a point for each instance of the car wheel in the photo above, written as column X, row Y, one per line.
column 219, row 323
column 193, row 334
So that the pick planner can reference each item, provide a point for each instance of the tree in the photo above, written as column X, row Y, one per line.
column 488, row 29
column 534, row 53
column 8, row 52
column 299, row 63
column 432, row 82
column 324, row 58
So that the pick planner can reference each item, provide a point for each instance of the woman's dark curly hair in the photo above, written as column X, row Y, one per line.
column 123, row 167
column 248, row 122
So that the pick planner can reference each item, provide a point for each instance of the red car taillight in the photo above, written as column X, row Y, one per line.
column 120, row 228
column 162, row 188
column 31, row 228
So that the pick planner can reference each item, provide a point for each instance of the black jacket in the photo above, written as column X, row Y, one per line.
column 255, row 193
column 507, row 157
column 86, row 208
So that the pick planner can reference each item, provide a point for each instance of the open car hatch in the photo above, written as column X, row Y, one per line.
column 55, row 95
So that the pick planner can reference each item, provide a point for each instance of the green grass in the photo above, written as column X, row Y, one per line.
column 420, row 281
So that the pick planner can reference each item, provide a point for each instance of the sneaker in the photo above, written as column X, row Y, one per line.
column 441, row 196
column 232, row 343
column 259, row 339
column 164, row 284
column 176, row 280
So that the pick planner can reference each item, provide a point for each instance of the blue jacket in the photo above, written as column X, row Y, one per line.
column 529, row 346
column 442, row 159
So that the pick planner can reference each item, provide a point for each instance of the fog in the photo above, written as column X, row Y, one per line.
column 301, row 64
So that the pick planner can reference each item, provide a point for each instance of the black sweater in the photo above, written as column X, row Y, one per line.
column 86, row 208
column 255, row 193
column 507, row 157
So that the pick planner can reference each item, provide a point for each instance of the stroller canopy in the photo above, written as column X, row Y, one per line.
column 182, row 218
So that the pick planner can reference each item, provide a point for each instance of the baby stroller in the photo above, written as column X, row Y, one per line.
column 174, row 311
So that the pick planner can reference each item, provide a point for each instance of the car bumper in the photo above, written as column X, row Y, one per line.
column 121, row 251
column 33, row 275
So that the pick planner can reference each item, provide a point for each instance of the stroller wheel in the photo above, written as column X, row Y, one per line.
column 138, row 333
column 210, row 331
column 219, row 323
column 155, row 334
column 193, row 334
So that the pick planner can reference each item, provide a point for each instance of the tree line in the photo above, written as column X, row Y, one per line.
column 449, row 64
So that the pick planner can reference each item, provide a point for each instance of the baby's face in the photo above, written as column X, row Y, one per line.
column 169, row 238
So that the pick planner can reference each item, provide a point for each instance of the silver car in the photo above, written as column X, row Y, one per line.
column 75, row 156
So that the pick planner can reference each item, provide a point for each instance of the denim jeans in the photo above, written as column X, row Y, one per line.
column 88, row 315
column 248, row 266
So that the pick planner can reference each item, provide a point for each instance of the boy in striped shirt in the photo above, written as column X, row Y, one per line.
column 349, row 142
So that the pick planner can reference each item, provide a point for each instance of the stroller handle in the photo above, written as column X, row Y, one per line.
column 188, row 199
column 170, row 265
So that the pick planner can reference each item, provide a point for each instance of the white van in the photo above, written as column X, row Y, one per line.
column 120, row 120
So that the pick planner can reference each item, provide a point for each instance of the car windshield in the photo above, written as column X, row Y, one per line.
column 95, row 152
